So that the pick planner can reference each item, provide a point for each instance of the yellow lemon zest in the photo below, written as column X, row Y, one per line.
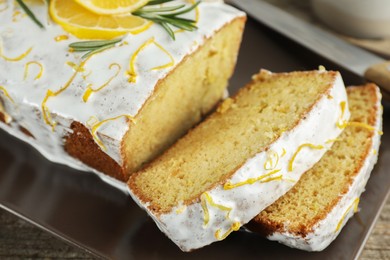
column 46, row 113
column 228, row 185
column 344, row 123
column 39, row 75
column 276, row 178
column 272, row 160
column 235, row 226
column 18, row 58
column 89, row 90
column 312, row 146
column 332, row 140
column 62, row 37
column 206, row 199
column 364, row 125
column 169, row 64
column 131, row 72
column 6, row 93
column 98, row 124
column 341, row 122
column 75, row 67
column 355, row 205
column 283, row 153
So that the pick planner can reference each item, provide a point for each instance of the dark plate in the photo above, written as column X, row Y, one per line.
column 81, row 209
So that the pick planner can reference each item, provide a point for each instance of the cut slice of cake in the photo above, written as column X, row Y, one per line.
column 119, row 107
column 243, row 157
column 313, row 212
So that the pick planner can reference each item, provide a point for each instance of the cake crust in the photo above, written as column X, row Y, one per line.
column 62, row 98
column 228, row 202
column 317, row 231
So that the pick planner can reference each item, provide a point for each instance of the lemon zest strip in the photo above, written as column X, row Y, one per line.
column 46, row 113
column 312, row 146
column 75, row 67
column 269, row 163
column 364, row 125
column 344, row 123
column 169, row 64
column 206, row 199
column 355, row 205
column 18, row 58
column 333, row 140
column 235, row 226
column 89, row 90
column 39, row 75
column 131, row 72
column 6, row 94
column 228, row 185
column 98, row 124
column 62, row 37
column 283, row 153
column 341, row 122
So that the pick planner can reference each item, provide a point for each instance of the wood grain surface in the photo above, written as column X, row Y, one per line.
column 22, row 240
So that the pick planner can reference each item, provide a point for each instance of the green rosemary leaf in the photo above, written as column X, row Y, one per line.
column 182, row 24
column 92, row 47
column 93, row 44
column 178, row 19
column 168, row 16
column 158, row 2
column 94, row 51
column 188, row 9
column 29, row 13
column 169, row 30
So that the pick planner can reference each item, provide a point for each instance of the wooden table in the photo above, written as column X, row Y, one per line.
column 20, row 239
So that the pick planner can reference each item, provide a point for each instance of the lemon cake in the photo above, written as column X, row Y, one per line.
column 106, row 92
column 243, row 157
column 312, row 213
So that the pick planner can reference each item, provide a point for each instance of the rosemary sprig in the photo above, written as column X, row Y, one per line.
column 29, row 13
column 92, row 47
column 167, row 16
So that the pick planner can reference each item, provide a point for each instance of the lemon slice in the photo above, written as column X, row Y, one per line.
column 109, row 7
column 84, row 24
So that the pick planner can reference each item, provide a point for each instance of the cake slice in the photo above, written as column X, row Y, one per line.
column 313, row 212
column 116, row 109
column 243, row 157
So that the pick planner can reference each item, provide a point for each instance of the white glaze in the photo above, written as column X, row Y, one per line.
column 324, row 232
column 119, row 98
column 187, row 228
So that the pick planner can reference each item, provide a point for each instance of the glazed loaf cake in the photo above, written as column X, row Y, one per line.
column 313, row 212
column 243, row 157
column 119, row 108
